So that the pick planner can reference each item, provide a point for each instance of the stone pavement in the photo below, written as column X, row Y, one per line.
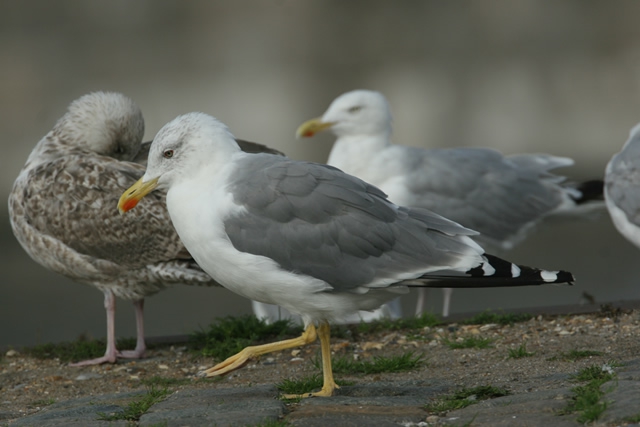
column 374, row 405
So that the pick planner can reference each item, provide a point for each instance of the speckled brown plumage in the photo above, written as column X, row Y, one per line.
column 63, row 210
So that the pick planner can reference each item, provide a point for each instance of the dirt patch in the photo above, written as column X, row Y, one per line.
column 558, row 345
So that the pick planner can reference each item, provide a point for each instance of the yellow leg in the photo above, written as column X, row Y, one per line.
column 240, row 359
column 329, row 385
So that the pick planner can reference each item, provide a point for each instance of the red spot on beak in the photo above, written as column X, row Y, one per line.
column 308, row 134
column 129, row 204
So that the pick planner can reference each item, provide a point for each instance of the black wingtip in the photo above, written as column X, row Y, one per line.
column 494, row 272
column 591, row 190
column 505, row 269
column 565, row 277
column 254, row 147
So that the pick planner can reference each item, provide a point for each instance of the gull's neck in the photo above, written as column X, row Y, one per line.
column 353, row 154
column 187, row 202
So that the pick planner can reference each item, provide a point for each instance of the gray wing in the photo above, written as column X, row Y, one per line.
column 73, row 200
column 622, row 179
column 483, row 190
column 254, row 147
column 318, row 221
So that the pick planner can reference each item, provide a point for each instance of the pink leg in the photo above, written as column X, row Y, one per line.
column 111, row 354
column 422, row 297
column 446, row 301
column 141, row 347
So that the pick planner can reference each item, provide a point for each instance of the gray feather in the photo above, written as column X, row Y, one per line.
column 622, row 181
column 314, row 219
column 485, row 191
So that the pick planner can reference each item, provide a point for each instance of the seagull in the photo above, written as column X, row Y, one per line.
column 58, row 211
column 622, row 188
column 305, row 236
column 502, row 197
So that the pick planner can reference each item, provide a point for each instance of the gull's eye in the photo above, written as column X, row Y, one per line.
column 167, row 154
column 355, row 109
column 119, row 149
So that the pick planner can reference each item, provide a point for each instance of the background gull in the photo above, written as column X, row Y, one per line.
column 305, row 236
column 622, row 188
column 62, row 211
column 502, row 197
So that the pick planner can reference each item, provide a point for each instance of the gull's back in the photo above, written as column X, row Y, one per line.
column 501, row 197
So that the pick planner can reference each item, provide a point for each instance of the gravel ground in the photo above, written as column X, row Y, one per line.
column 28, row 385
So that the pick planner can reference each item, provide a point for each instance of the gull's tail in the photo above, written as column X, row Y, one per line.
column 493, row 272
column 590, row 191
column 584, row 200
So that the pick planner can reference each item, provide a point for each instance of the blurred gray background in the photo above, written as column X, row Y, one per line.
column 561, row 77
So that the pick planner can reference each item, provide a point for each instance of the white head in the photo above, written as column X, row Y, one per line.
column 105, row 123
column 634, row 133
column 182, row 148
column 355, row 113
column 633, row 142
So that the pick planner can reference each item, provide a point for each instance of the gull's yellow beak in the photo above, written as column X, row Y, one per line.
column 135, row 193
column 311, row 127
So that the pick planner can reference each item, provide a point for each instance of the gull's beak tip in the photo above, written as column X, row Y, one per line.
column 126, row 204
column 311, row 127
column 135, row 193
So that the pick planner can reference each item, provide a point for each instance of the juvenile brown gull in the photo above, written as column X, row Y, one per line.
column 305, row 236
column 61, row 211
column 501, row 197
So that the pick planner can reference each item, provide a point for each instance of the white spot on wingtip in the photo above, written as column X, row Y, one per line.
column 515, row 270
column 549, row 276
column 488, row 269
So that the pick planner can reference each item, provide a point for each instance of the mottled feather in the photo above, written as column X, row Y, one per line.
column 62, row 208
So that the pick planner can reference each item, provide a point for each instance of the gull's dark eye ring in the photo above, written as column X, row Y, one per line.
column 355, row 109
column 167, row 154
